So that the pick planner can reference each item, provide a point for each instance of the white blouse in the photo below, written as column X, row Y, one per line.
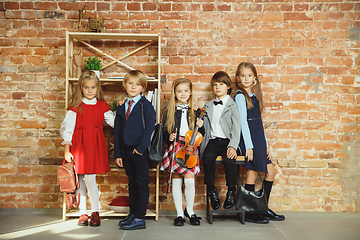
column 184, row 125
column 68, row 125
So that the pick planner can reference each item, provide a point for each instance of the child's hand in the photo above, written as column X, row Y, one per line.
column 172, row 137
column 231, row 153
column 199, row 122
column 121, row 102
column 68, row 156
column 119, row 162
column 268, row 153
column 249, row 154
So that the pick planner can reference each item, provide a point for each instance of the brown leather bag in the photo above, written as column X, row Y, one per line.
column 67, row 179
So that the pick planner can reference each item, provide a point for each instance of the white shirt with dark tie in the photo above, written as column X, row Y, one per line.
column 184, row 126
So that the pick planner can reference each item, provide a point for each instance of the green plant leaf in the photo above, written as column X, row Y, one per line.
column 93, row 63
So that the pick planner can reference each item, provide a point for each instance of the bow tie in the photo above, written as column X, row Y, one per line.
column 218, row 102
column 182, row 107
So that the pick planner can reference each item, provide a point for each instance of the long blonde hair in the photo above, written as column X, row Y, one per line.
column 171, row 108
column 256, row 89
column 76, row 98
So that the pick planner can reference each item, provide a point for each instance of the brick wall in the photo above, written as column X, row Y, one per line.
column 307, row 53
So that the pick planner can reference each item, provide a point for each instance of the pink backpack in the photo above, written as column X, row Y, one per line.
column 69, row 182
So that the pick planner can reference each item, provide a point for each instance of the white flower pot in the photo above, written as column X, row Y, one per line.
column 97, row 72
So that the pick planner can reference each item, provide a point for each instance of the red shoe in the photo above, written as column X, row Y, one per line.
column 83, row 220
column 95, row 219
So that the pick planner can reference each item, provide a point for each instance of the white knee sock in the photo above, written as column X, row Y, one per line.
column 177, row 196
column 190, row 194
column 93, row 191
column 82, row 191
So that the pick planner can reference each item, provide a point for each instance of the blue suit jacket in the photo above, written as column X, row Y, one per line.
column 132, row 131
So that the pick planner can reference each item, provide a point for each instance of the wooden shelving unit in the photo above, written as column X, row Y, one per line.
column 83, row 37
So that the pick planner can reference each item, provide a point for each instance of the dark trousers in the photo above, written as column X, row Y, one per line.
column 218, row 147
column 137, row 170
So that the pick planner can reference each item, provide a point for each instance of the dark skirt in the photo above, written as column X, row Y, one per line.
column 260, row 159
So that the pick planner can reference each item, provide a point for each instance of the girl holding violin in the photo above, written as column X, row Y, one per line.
column 179, row 118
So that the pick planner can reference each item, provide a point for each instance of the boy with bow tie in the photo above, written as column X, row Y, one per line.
column 222, row 136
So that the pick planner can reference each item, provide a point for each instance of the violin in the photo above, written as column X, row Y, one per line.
column 187, row 155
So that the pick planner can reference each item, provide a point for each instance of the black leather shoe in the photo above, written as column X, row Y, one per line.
column 230, row 200
column 273, row 216
column 134, row 224
column 179, row 221
column 214, row 199
column 128, row 219
column 256, row 218
column 194, row 220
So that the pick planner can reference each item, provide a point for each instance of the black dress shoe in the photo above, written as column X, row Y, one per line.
column 136, row 223
column 179, row 221
column 273, row 216
column 256, row 218
column 214, row 199
column 128, row 219
column 230, row 200
column 194, row 220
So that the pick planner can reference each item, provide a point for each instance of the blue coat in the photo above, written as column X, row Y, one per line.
column 132, row 131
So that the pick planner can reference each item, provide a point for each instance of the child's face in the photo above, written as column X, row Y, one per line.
column 220, row 89
column 133, row 87
column 89, row 89
column 247, row 78
column 182, row 93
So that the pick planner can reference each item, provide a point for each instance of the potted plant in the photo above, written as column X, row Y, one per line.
column 94, row 64
column 113, row 105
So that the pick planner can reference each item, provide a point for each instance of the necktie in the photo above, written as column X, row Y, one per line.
column 128, row 110
column 218, row 102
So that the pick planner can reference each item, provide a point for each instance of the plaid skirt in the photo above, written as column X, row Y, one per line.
column 176, row 168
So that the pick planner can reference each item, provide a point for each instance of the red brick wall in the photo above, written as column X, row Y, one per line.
column 307, row 53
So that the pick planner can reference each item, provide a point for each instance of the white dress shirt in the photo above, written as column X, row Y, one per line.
column 216, row 129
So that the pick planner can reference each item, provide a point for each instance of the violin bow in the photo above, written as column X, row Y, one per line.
column 171, row 161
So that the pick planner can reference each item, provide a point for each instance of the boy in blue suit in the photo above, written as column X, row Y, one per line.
column 130, row 146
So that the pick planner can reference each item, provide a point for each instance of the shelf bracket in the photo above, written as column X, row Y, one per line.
column 126, row 55
column 106, row 55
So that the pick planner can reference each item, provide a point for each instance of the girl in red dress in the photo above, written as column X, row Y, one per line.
column 84, row 140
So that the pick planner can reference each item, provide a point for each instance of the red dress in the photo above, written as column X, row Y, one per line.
column 88, row 142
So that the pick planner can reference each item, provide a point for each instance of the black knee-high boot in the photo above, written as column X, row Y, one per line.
column 270, row 214
column 267, row 188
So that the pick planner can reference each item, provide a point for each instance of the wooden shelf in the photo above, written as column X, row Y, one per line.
column 83, row 36
column 114, row 36
column 112, row 80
